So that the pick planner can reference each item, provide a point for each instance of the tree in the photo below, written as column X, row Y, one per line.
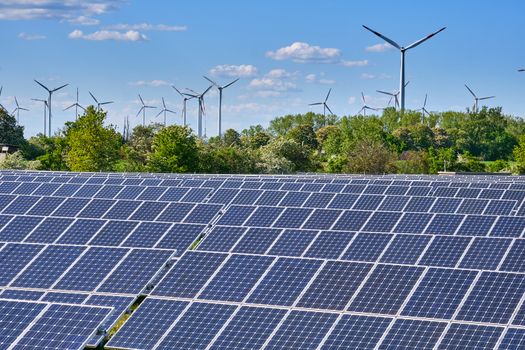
column 304, row 135
column 91, row 146
column 16, row 161
column 285, row 155
column 370, row 157
column 519, row 154
column 231, row 138
column 49, row 151
column 137, row 149
column 174, row 150
column 10, row 132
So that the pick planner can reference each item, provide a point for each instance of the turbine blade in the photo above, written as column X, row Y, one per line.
column 385, row 93
column 23, row 109
column 163, row 103
column 329, row 110
column 140, row 110
column 472, row 92
column 180, row 93
column 61, row 87
column 195, row 92
column 315, row 104
column 16, row 102
column 485, row 98
column 211, row 81
column 93, row 97
column 328, row 95
column 42, row 85
column 191, row 96
column 390, row 41
column 141, row 100
column 1, row 88
column 408, row 82
column 106, row 103
column 425, row 103
column 363, row 97
column 65, row 109
column 208, row 89
column 421, row 41
column 170, row 111
column 159, row 114
column 233, row 82
column 521, row 70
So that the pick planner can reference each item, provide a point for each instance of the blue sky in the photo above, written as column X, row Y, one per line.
column 287, row 54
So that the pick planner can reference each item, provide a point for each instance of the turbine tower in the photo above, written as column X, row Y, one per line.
column 365, row 106
column 1, row 105
column 50, row 91
column 164, row 110
column 393, row 95
column 77, row 106
column 17, row 111
column 403, row 49
column 99, row 104
column 477, row 99
column 185, row 98
column 325, row 106
column 220, row 88
column 202, row 108
column 143, row 110
column 45, row 109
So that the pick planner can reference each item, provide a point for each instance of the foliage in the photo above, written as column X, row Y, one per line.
column 18, row 162
column 519, row 154
column 370, row 157
column 10, row 132
column 91, row 146
column 174, row 150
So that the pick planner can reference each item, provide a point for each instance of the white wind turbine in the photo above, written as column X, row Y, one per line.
column 220, row 88
column 477, row 99
column 50, row 91
column 143, row 110
column 164, row 110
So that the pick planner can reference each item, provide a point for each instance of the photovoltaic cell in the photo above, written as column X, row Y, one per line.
column 45, row 206
column 356, row 332
column 508, row 226
column 256, row 240
column 175, row 212
column 351, row 220
column 292, row 242
column 329, row 244
column 322, row 219
column 15, row 316
column 148, row 211
column 203, row 213
column 292, row 218
column 14, row 257
column 18, row 228
column 114, row 233
column 485, row 253
column 264, row 216
column 468, row 336
column 445, row 224
column 513, row 339
column 146, row 234
column 405, row 249
column 221, row 238
column 476, row 225
column 122, row 210
column 180, row 237
column 367, row 246
column 81, row 231
column 413, row 334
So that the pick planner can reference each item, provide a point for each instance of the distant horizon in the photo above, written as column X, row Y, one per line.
column 286, row 56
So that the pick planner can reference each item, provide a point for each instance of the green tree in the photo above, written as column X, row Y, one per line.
column 231, row 138
column 370, row 157
column 91, row 146
column 10, row 132
column 49, row 151
column 174, row 150
column 519, row 154
column 304, row 135
column 18, row 162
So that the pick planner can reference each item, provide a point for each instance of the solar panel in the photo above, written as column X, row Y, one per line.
column 329, row 244
column 467, row 336
column 15, row 317
column 18, row 228
column 292, row 242
column 405, row 249
column 256, row 240
column 146, row 235
column 49, row 230
column 221, row 238
column 114, row 233
column 81, row 231
column 356, row 332
column 175, row 212
column 367, row 246
column 412, row 334
column 485, row 253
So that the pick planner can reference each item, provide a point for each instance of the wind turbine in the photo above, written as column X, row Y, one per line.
column 143, row 110
column 393, row 95
column 17, row 111
column 403, row 49
column 49, row 115
column 365, row 106
column 77, row 106
column 202, row 108
column 424, row 109
column 165, row 110
column 220, row 88
column 325, row 106
column 477, row 99
column 185, row 98
column 45, row 108
column 99, row 104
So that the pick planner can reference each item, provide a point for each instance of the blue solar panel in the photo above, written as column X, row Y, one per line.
column 385, row 289
column 71, row 207
column 419, row 204
column 292, row 218
column 196, row 195
column 46, row 189
column 497, row 207
column 412, row 334
column 175, row 212
column 180, row 237
column 122, row 210
column 368, row 202
column 446, row 205
column 445, row 251
column 493, row 298
column 91, row 269
column 26, row 188
column 249, row 328
column 284, row 282
column 367, row 246
column 302, row 330
column 135, row 272
column 256, row 240
column 109, row 192
column 18, row 228
column 5, row 199
column 335, row 285
column 114, row 233
column 247, row 197
column 19, row 294
column 292, row 242
column 468, row 336
column 15, row 316
column 476, row 225
column 439, row 293
column 236, row 278
column 322, row 219
column 393, row 203
column 356, row 332
column 513, row 339
column 147, row 324
column 148, row 211
column 485, row 253
column 236, row 215
column 445, row 224
column 129, row 192
column 264, row 216
column 81, row 231
column 20, row 205
column 13, row 258
column 189, row 274
column 146, row 234
column 96, row 208
column 48, row 267
column 203, row 213
column 318, row 200
column 45, row 206
column 87, row 191
column 49, row 230
column 223, row 196
column 221, row 238
column 405, row 249
column 351, row 220
column 343, row 201
column 329, row 244
column 151, row 193
column 62, row 297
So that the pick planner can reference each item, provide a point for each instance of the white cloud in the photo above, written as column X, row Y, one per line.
column 361, row 63
column 26, row 36
column 351, row 100
column 249, row 107
column 84, row 21
column 313, row 78
column 148, row 27
column 267, row 83
column 369, row 76
column 101, row 35
column 303, row 52
column 153, row 83
column 379, row 47
column 54, row 9
column 233, row 71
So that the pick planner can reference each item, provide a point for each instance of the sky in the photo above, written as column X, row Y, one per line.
column 287, row 54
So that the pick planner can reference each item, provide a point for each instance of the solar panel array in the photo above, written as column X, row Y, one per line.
column 274, row 262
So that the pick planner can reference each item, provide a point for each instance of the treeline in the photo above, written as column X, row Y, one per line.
column 392, row 142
